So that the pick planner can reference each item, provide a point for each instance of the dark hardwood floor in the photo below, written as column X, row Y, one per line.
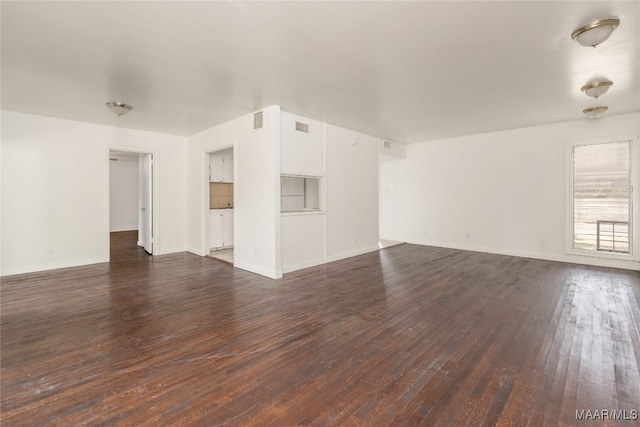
column 406, row 336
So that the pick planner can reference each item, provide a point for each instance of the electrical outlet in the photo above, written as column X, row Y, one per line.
column 543, row 243
column 426, row 233
column 468, row 235
column 51, row 251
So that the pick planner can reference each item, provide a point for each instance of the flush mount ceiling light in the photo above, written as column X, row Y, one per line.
column 119, row 108
column 595, row 32
column 595, row 112
column 596, row 89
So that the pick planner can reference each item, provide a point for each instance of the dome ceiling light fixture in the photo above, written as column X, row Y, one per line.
column 595, row 112
column 595, row 32
column 119, row 108
column 596, row 89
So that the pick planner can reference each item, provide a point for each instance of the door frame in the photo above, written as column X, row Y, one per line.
column 206, row 226
column 107, row 197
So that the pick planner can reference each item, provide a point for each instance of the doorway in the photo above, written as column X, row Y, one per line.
column 130, row 204
column 219, row 230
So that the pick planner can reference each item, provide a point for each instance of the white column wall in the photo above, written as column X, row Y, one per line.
column 198, row 147
column 351, row 193
column 257, row 195
column 394, row 200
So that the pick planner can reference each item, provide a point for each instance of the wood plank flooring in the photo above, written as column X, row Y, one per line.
column 409, row 335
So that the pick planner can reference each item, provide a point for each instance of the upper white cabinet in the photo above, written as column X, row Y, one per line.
column 220, row 169
column 301, row 146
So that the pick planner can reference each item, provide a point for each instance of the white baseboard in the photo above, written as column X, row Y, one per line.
column 196, row 251
column 33, row 268
column 168, row 251
column 303, row 265
column 118, row 229
column 258, row 270
column 572, row 259
column 338, row 257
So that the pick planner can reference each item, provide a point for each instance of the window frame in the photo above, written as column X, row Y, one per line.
column 634, row 220
column 321, row 199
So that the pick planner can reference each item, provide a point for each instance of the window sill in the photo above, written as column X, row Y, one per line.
column 305, row 212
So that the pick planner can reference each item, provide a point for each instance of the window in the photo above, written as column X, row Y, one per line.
column 602, row 203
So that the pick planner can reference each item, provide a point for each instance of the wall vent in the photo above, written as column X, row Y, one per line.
column 302, row 127
column 257, row 120
column 387, row 145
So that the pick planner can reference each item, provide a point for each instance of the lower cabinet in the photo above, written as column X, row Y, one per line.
column 221, row 228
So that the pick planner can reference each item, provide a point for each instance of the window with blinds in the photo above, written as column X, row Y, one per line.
column 602, row 197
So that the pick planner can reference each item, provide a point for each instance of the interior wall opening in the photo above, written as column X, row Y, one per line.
column 219, row 235
column 130, row 205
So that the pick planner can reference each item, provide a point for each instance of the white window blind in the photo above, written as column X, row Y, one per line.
column 602, row 197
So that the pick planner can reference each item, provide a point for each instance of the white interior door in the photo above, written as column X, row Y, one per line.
column 146, row 202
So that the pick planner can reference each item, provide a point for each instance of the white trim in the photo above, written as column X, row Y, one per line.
column 634, row 223
column 302, row 174
column 571, row 259
column 124, row 228
column 302, row 213
column 344, row 255
column 155, row 194
column 206, row 223
column 603, row 255
column 169, row 251
column 195, row 251
column 34, row 268
column 106, row 206
column 303, row 265
column 258, row 270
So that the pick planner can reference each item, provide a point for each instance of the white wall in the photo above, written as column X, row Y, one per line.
column 500, row 192
column 303, row 236
column 392, row 150
column 55, row 197
column 303, row 233
column 394, row 192
column 351, row 187
column 256, row 190
column 302, row 153
column 347, row 223
column 257, row 195
column 198, row 147
column 123, row 193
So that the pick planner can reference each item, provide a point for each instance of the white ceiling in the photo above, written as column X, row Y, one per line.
column 406, row 71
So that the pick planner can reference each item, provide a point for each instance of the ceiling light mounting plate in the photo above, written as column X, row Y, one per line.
column 595, row 112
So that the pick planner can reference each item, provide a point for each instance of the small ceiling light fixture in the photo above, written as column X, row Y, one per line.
column 119, row 108
column 595, row 112
column 595, row 32
column 596, row 89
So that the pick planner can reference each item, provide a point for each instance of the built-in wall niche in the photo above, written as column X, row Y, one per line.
column 298, row 193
